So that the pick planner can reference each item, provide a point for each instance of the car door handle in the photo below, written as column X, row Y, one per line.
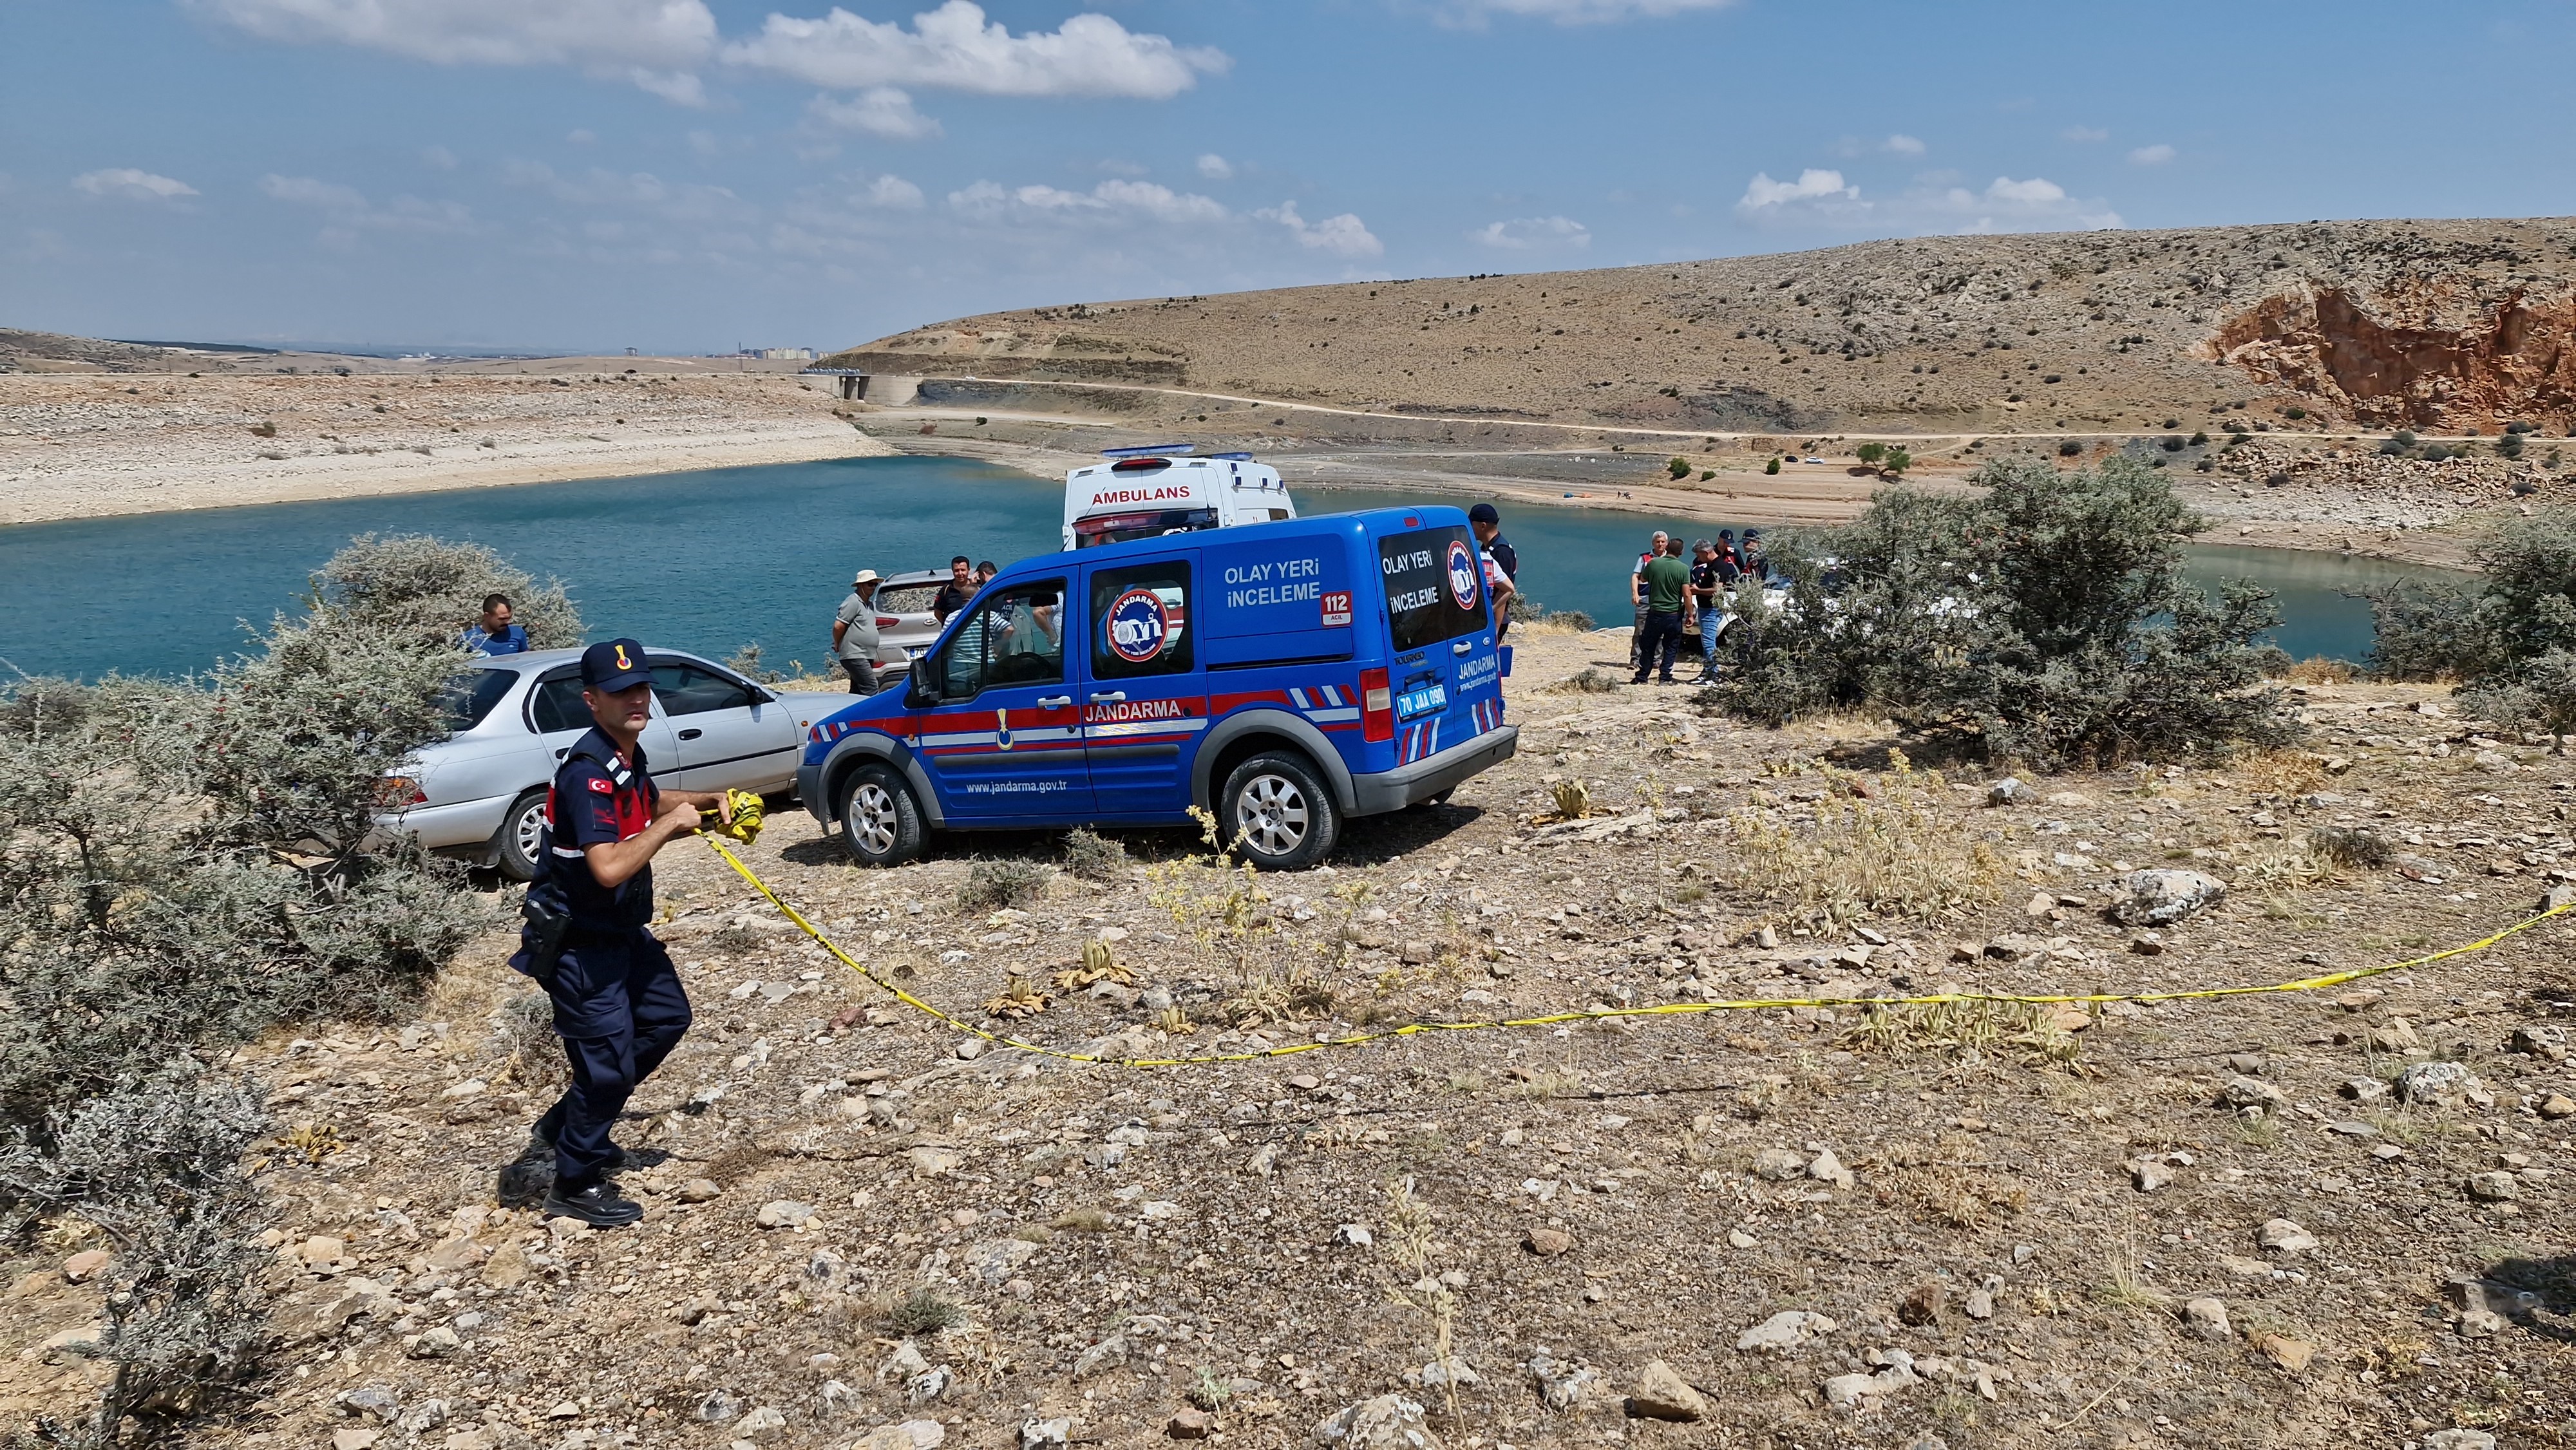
column 1461, row 647
column 1051, row 702
column 1114, row 697
column 691, row 734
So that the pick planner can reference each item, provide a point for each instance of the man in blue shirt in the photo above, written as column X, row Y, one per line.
column 618, row 1003
column 1487, row 525
column 496, row 635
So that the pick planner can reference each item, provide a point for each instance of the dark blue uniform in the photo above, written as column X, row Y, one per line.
column 617, row 997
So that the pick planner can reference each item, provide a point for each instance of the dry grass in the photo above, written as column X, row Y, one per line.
column 2281, row 772
column 1969, row 1033
column 1898, row 853
column 2318, row 670
column 1003, row 881
column 1094, row 857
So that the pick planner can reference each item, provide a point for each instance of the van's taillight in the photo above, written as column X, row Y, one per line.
column 1377, row 706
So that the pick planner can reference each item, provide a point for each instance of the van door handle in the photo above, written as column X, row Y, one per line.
column 1461, row 647
column 1051, row 702
column 691, row 734
column 1114, row 697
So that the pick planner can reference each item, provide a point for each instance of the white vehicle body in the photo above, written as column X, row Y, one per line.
column 1144, row 493
column 481, row 793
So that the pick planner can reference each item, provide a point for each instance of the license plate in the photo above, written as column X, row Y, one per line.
column 1420, row 702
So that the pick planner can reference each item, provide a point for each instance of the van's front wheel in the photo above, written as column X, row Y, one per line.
column 1278, row 814
column 880, row 821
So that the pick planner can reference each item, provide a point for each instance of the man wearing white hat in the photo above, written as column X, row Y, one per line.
column 854, row 634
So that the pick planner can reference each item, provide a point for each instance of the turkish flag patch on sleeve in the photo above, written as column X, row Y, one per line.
column 602, row 786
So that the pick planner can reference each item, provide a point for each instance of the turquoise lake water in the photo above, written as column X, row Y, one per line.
column 713, row 560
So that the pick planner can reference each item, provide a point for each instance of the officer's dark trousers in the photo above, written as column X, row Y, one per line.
column 620, row 1010
column 1660, row 640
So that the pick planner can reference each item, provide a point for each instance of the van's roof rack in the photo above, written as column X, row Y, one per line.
column 1150, row 450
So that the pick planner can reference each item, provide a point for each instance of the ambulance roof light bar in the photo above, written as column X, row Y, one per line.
column 1150, row 450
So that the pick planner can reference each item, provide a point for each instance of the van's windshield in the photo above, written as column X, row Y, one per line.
column 1435, row 585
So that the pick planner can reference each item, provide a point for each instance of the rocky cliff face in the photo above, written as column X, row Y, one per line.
column 2444, row 352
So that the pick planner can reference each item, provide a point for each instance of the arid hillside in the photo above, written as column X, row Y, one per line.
column 2437, row 325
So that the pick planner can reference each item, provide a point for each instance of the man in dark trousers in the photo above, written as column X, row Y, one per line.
column 1663, row 587
column 1487, row 524
column 617, row 998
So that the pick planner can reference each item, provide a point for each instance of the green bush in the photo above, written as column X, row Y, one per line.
column 1771, row 467
column 1678, row 467
column 429, row 591
column 2070, row 448
column 2045, row 621
column 2509, row 639
column 1000, row 881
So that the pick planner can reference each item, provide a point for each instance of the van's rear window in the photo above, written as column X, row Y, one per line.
column 1435, row 585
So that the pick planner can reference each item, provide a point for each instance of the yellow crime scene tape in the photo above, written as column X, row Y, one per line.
column 1598, row 1014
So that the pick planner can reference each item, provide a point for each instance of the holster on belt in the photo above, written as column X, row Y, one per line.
column 546, row 928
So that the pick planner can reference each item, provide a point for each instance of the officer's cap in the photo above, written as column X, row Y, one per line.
column 615, row 665
column 1484, row 513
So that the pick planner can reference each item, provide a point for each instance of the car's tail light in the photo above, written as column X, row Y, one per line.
column 1377, row 706
column 887, row 621
column 396, row 792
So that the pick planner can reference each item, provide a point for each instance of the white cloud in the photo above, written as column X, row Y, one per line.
column 346, row 210
column 1822, row 198
column 1216, row 168
column 987, row 200
column 1529, row 234
column 602, row 190
column 2156, row 155
column 1903, row 145
column 2084, row 134
column 894, row 193
column 127, row 184
column 953, row 47
column 307, row 191
column 438, row 158
column 655, row 44
column 1812, row 184
column 1581, row 12
column 1343, row 236
column 879, row 111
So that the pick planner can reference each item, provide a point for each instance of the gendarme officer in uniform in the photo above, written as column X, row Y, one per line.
column 617, row 997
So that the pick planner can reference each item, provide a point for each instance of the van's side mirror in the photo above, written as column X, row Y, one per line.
column 917, row 690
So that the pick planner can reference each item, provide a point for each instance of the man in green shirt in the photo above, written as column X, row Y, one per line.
column 1664, row 583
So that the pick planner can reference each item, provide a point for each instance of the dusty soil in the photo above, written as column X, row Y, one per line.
column 79, row 445
column 2026, row 1216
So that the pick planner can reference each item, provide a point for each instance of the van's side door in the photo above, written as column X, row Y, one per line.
column 1144, row 704
column 995, row 725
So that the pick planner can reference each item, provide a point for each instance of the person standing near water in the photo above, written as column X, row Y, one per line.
column 854, row 634
column 958, row 592
column 495, row 634
column 1637, row 595
column 1664, row 584
column 1487, row 525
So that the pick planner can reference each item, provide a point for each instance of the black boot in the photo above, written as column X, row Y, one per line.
column 597, row 1203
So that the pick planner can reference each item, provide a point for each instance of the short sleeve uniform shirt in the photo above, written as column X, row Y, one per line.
column 598, row 799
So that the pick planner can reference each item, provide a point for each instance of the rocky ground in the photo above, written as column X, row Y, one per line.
column 2333, row 1218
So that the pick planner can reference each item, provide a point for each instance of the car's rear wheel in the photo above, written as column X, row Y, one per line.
column 880, row 821
column 521, row 837
column 1278, row 813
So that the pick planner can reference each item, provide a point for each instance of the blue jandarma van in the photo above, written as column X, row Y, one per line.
column 1284, row 676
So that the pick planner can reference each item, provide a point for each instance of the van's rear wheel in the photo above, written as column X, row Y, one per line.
column 1278, row 814
column 880, row 821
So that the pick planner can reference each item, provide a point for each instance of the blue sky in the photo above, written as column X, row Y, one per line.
column 689, row 175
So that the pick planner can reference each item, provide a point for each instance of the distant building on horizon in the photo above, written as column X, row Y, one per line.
column 781, row 354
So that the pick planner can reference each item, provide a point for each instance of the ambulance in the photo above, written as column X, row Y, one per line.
column 1283, row 677
column 1145, row 493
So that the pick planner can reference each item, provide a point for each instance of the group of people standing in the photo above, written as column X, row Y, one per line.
column 1679, row 592
column 854, row 628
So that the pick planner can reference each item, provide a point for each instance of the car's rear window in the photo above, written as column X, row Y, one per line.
column 471, row 696
column 909, row 599
column 1435, row 585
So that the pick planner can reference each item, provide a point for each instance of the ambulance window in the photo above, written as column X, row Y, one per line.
column 1140, row 620
column 1013, row 638
column 1435, row 586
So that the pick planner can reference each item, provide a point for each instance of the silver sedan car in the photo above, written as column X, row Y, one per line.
column 481, row 793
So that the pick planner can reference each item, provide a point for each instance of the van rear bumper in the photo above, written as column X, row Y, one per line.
column 1393, row 790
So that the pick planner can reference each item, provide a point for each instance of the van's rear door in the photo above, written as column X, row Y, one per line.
column 1447, row 675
